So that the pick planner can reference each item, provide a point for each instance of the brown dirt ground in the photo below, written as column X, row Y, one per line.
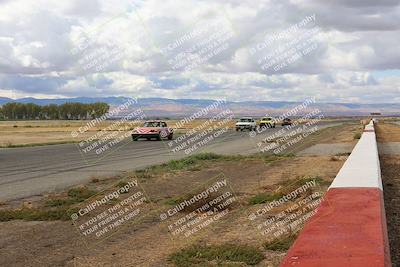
column 148, row 244
column 388, row 132
column 390, row 166
column 346, row 135
column 332, row 135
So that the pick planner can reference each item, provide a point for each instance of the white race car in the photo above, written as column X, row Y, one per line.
column 246, row 123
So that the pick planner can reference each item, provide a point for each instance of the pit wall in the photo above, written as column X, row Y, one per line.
column 349, row 227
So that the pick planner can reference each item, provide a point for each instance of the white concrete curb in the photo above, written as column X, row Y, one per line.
column 362, row 168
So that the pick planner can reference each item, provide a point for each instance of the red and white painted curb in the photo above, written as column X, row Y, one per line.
column 349, row 227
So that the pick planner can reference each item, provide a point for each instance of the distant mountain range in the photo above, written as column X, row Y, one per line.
column 163, row 107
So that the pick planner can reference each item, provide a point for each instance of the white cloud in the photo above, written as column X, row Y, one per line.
column 356, row 38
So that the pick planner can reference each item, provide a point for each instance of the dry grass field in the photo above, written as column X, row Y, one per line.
column 43, row 132
column 20, row 133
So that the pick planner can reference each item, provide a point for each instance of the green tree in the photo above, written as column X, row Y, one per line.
column 66, row 111
column 1, row 113
column 9, row 111
column 32, row 111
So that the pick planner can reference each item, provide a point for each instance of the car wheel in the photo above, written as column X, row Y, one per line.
column 159, row 137
column 237, row 129
column 170, row 136
column 135, row 138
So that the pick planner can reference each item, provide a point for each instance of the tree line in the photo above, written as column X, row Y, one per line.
column 67, row 111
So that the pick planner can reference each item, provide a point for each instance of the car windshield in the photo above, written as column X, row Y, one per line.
column 266, row 119
column 152, row 124
column 245, row 120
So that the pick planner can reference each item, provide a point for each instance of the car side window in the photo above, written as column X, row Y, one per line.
column 163, row 124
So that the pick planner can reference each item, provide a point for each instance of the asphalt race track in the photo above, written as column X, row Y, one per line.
column 31, row 171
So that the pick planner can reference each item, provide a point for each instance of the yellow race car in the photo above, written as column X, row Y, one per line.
column 267, row 122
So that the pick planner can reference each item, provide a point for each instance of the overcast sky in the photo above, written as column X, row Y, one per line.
column 335, row 50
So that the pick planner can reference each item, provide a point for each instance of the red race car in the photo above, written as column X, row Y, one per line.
column 153, row 129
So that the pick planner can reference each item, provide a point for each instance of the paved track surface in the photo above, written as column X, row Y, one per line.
column 36, row 170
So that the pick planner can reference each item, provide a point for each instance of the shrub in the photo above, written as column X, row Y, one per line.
column 80, row 193
column 264, row 198
column 282, row 244
column 34, row 215
column 357, row 136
